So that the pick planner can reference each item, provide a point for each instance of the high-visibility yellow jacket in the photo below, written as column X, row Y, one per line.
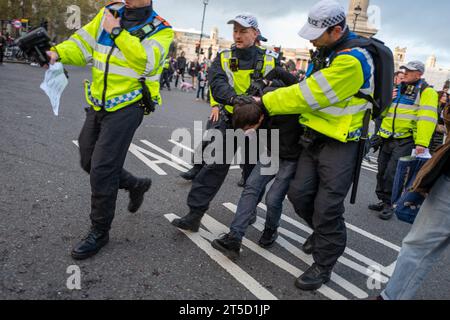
column 119, row 64
column 412, row 114
column 326, row 99
column 239, row 79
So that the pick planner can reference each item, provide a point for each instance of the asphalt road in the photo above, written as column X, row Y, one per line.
column 45, row 201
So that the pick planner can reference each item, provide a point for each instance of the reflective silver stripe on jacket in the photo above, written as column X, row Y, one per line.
column 151, row 60
column 122, row 71
column 336, row 111
column 87, row 37
column 371, row 90
column 307, row 94
column 100, row 48
column 402, row 116
column 412, row 117
column 86, row 53
column 269, row 62
column 326, row 87
column 428, row 108
column 226, row 66
column 429, row 119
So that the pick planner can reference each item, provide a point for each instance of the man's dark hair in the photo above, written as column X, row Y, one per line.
column 342, row 24
column 246, row 115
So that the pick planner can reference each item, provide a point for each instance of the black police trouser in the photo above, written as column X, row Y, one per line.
column 390, row 153
column 210, row 179
column 1, row 55
column 324, row 177
column 104, row 142
column 165, row 79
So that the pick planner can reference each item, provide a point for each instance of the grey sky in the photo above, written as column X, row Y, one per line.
column 421, row 26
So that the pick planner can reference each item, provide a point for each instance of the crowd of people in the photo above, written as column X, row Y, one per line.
column 180, row 70
column 322, row 117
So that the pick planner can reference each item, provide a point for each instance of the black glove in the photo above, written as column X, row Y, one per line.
column 375, row 143
column 241, row 99
column 257, row 88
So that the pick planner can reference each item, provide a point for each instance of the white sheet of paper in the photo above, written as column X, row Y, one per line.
column 55, row 82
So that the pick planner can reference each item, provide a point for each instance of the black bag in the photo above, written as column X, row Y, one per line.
column 384, row 72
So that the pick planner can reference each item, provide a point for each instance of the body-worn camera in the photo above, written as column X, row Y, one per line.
column 35, row 44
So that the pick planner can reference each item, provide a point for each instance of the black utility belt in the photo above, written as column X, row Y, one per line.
column 311, row 136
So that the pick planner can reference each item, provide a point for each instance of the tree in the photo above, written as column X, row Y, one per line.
column 53, row 11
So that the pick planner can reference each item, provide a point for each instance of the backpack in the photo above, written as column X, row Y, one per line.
column 384, row 71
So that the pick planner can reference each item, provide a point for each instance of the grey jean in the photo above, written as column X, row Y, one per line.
column 253, row 193
column 424, row 244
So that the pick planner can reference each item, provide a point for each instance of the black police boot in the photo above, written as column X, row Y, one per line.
column 308, row 246
column 90, row 245
column 387, row 213
column 313, row 278
column 191, row 222
column 191, row 174
column 137, row 194
column 378, row 207
column 229, row 245
column 268, row 238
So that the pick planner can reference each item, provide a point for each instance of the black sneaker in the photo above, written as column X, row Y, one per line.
column 308, row 246
column 191, row 174
column 387, row 213
column 90, row 245
column 268, row 238
column 378, row 207
column 191, row 222
column 229, row 245
column 241, row 183
column 313, row 278
column 137, row 195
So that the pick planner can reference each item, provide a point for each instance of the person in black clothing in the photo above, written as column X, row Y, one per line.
column 165, row 76
column 181, row 69
column 2, row 47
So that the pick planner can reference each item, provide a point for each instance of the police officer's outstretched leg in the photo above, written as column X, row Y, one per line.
column 104, row 143
column 205, row 186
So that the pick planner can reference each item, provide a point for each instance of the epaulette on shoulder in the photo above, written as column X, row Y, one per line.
column 163, row 21
column 272, row 53
column 225, row 50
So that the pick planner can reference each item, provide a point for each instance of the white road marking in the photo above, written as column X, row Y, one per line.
column 233, row 269
column 217, row 228
column 350, row 226
column 351, row 264
column 192, row 151
column 167, row 154
column 141, row 153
